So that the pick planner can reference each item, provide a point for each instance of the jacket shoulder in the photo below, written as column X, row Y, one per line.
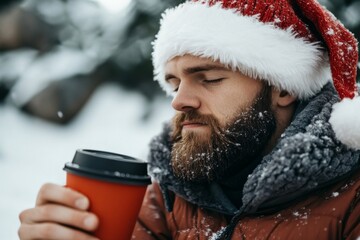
column 351, row 218
column 329, row 213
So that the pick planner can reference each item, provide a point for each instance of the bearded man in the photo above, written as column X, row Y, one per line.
column 260, row 146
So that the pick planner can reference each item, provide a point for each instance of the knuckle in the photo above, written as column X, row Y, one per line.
column 22, row 215
column 43, row 190
column 44, row 212
column 69, row 196
column 72, row 194
column 74, row 235
column 21, row 232
column 79, row 236
column 47, row 230
column 71, row 216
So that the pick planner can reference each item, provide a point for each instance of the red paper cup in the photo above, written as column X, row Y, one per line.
column 115, row 185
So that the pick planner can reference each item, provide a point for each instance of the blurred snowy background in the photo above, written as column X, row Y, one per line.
column 33, row 152
column 77, row 74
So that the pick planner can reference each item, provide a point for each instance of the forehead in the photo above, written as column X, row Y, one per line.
column 189, row 61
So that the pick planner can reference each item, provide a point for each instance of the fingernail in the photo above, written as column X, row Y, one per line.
column 90, row 222
column 82, row 203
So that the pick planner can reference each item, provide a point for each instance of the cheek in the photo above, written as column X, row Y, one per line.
column 225, row 108
column 229, row 104
column 227, row 99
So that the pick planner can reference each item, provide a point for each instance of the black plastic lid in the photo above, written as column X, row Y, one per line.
column 109, row 166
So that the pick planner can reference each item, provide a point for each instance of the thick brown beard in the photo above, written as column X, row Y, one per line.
column 200, row 158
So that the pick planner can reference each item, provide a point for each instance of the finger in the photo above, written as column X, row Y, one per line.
column 51, row 231
column 58, row 194
column 60, row 214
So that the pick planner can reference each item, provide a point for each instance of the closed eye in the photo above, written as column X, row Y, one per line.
column 206, row 81
column 210, row 81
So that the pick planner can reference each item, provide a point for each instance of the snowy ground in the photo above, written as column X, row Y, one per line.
column 33, row 152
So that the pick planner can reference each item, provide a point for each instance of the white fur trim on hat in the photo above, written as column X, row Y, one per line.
column 345, row 122
column 259, row 50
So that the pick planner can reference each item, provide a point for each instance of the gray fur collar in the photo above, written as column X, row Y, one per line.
column 307, row 156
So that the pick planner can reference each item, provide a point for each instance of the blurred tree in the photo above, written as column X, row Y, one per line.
column 6, row 3
column 20, row 29
column 118, row 47
column 136, row 73
column 104, row 47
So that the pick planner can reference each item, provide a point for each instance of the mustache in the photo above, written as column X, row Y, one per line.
column 192, row 116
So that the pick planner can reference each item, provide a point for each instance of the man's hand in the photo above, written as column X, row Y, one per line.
column 60, row 213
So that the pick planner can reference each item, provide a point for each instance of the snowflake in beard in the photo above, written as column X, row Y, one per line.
column 200, row 158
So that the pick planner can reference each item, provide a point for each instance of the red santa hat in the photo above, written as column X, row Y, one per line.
column 295, row 45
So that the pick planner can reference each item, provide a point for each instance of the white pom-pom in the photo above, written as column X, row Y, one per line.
column 345, row 121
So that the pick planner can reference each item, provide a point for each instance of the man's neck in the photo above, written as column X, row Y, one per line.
column 283, row 120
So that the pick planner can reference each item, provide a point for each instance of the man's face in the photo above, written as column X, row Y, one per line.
column 223, row 118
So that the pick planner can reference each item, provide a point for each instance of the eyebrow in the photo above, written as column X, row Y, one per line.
column 197, row 69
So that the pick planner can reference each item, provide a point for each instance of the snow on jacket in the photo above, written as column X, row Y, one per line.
column 308, row 187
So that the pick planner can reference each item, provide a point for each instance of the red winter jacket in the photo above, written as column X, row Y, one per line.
column 332, row 213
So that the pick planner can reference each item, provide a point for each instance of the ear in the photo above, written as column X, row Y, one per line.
column 282, row 98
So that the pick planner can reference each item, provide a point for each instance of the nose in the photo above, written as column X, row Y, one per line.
column 186, row 98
